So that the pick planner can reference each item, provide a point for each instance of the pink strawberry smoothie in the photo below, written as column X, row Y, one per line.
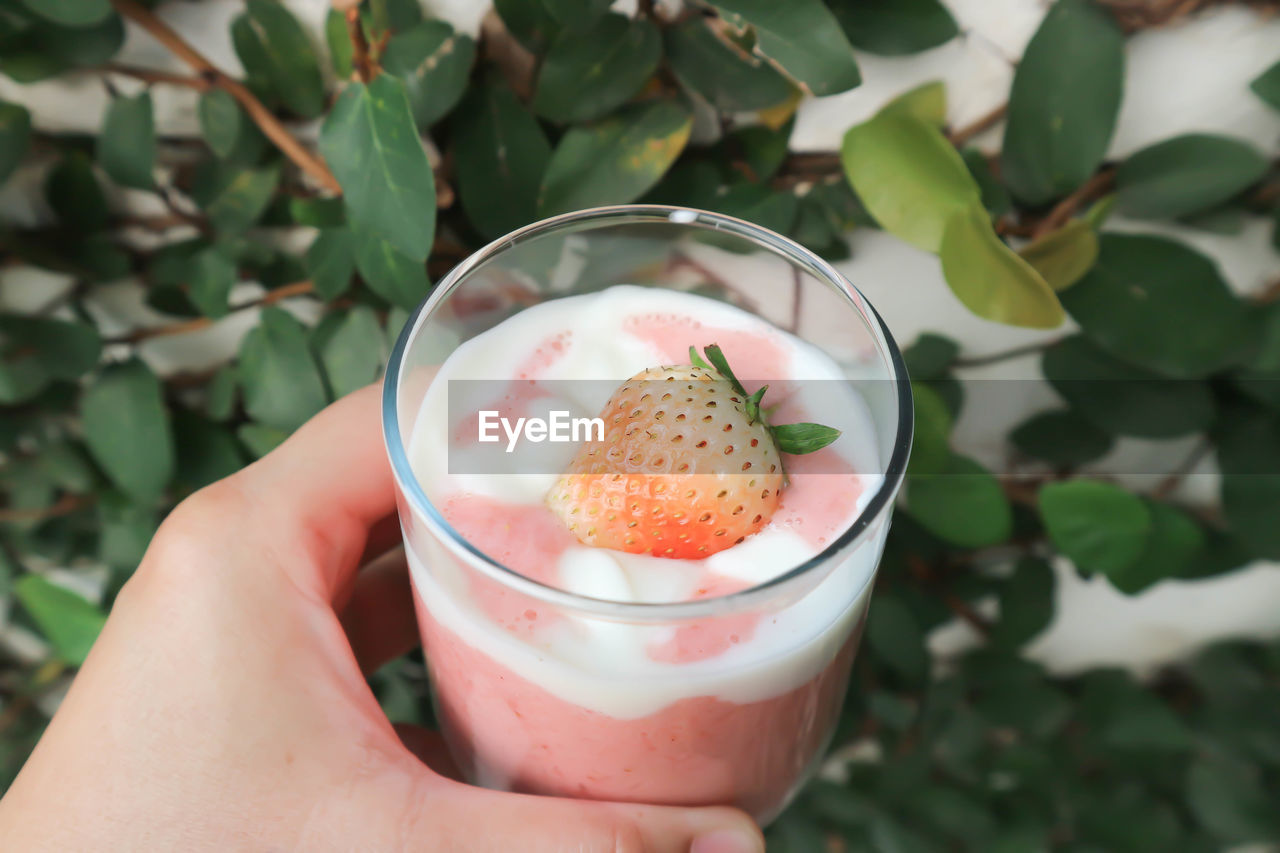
column 731, row 706
column 700, row 750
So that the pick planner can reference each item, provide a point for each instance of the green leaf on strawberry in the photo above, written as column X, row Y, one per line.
column 799, row 439
column 796, row 439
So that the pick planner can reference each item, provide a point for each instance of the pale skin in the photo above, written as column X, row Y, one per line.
column 225, row 706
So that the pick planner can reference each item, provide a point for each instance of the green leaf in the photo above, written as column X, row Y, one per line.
column 1127, row 717
column 243, row 201
column 804, row 38
column 396, row 319
column 434, row 62
column 585, row 75
column 352, row 355
column 575, row 14
column 774, row 209
column 1122, row 399
column 930, row 356
column 221, row 121
column 1227, row 219
column 715, row 356
column 991, row 279
column 126, row 530
column 66, row 466
column 71, row 13
column 1059, row 125
column 45, row 50
column 615, row 160
column 952, row 811
column 1175, row 541
column 756, row 151
column 317, row 212
column 931, row 445
column 1186, row 175
column 392, row 275
column 73, row 192
column 213, row 274
column 126, row 427
column 275, row 49
column 535, row 25
column 794, row 832
column 1015, row 694
column 331, row 261
column 220, row 393
column 1098, row 526
column 1249, row 457
column 908, row 176
column 894, row 27
column 338, row 40
column 1158, row 304
column 15, row 137
column 926, row 102
column 799, row 439
column 815, row 228
column 68, row 621
column 1267, row 85
column 207, row 452
column 1063, row 438
column 37, row 350
column 372, row 145
column 1227, row 798
column 280, row 380
column 895, row 637
column 259, row 439
column 500, row 154
column 963, row 504
column 1026, row 604
column 730, row 78
column 1062, row 257
column 995, row 197
column 127, row 144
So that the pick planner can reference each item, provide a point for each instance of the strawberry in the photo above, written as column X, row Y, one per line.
column 688, row 466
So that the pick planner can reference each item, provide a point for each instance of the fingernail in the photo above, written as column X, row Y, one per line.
column 726, row 841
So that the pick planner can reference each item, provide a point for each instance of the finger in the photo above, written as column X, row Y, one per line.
column 383, row 536
column 430, row 749
column 546, row 824
column 378, row 617
column 323, row 489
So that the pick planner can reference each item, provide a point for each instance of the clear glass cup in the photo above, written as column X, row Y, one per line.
column 518, row 717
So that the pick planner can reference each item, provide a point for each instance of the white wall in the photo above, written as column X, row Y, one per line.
column 1190, row 76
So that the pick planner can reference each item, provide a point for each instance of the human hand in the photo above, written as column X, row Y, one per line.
column 225, row 703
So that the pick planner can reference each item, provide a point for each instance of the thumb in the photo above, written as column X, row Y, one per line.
column 505, row 822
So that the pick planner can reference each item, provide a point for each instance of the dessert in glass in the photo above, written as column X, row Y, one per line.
column 646, row 458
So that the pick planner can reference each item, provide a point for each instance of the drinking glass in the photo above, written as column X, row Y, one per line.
column 743, row 729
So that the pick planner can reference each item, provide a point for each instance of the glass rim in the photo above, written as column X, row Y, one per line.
column 792, row 251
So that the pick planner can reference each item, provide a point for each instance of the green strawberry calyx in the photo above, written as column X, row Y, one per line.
column 796, row 439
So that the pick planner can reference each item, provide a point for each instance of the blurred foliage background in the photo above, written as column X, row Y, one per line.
column 335, row 182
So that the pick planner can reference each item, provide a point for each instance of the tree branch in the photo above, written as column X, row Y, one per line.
column 961, row 135
column 64, row 506
column 271, row 297
column 924, row 573
column 361, row 60
column 263, row 117
column 1167, row 486
column 149, row 75
column 1004, row 355
column 1096, row 187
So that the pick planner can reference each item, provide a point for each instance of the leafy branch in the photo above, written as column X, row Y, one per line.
column 271, row 297
column 271, row 126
